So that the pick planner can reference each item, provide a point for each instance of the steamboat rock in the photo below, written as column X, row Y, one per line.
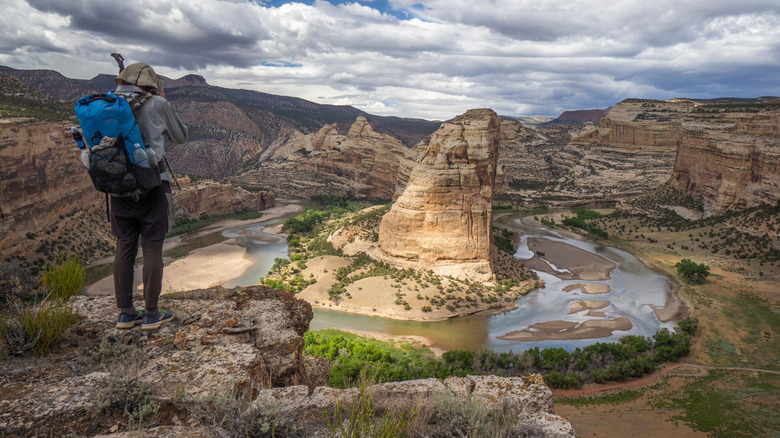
column 442, row 221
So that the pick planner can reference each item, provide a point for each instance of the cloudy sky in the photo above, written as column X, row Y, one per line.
column 431, row 59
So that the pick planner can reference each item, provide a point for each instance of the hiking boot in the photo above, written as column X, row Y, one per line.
column 154, row 322
column 125, row 321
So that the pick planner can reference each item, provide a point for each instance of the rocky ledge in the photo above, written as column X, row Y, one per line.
column 222, row 345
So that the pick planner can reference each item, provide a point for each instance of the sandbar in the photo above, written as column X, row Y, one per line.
column 566, row 330
column 579, row 306
column 669, row 310
column 573, row 263
column 588, row 288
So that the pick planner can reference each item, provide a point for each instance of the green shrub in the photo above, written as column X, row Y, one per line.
column 692, row 272
column 64, row 279
column 504, row 244
column 36, row 327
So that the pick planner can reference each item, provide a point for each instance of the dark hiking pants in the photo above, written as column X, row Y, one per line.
column 146, row 218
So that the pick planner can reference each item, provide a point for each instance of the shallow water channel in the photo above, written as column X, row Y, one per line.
column 634, row 288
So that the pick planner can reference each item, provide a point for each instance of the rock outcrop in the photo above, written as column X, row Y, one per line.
column 730, row 156
column 635, row 123
column 442, row 221
column 362, row 163
column 222, row 343
column 214, row 198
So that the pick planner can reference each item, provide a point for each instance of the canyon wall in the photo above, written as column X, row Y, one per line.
column 42, row 180
column 362, row 163
column 212, row 198
column 635, row 123
column 443, row 219
column 730, row 157
column 724, row 151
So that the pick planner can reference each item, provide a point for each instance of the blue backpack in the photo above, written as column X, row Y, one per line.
column 119, row 163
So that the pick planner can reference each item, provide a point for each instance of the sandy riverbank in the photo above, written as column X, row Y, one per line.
column 201, row 268
column 377, row 296
column 573, row 263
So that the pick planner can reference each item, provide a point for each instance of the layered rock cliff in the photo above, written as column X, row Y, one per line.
column 729, row 156
column 43, row 181
column 635, row 123
column 362, row 163
column 442, row 221
column 724, row 151
column 212, row 198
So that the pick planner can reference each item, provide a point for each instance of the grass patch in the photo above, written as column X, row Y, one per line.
column 728, row 404
column 64, row 279
column 231, row 413
column 608, row 399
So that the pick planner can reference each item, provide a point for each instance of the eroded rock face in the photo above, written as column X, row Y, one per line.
column 42, row 179
column 727, row 153
column 635, row 123
column 219, row 341
column 526, row 397
column 730, row 158
column 442, row 220
column 362, row 163
column 216, row 198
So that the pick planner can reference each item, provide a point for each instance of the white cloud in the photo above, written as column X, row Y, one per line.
column 512, row 55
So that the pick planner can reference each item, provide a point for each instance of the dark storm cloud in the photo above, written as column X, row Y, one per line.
column 421, row 58
column 181, row 35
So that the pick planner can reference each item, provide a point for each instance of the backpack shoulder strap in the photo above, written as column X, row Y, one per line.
column 137, row 99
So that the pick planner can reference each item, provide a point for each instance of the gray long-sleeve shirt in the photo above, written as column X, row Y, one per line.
column 157, row 120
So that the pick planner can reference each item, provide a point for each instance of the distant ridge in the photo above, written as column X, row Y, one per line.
column 579, row 117
column 270, row 112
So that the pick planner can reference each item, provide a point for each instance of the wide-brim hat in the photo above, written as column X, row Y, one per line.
column 141, row 75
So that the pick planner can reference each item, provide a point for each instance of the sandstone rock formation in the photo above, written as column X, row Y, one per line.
column 726, row 152
column 220, row 341
column 214, row 198
column 526, row 397
column 635, row 123
column 442, row 221
column 220, row 344
column 730, row 156
column 362, row 163
column 42, row 180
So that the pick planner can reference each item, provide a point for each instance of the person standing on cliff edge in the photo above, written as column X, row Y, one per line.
column 150, row 216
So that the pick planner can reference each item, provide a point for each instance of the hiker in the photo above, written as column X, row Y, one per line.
column 150, row 215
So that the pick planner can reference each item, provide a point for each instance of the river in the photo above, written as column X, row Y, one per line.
column 634, row 289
